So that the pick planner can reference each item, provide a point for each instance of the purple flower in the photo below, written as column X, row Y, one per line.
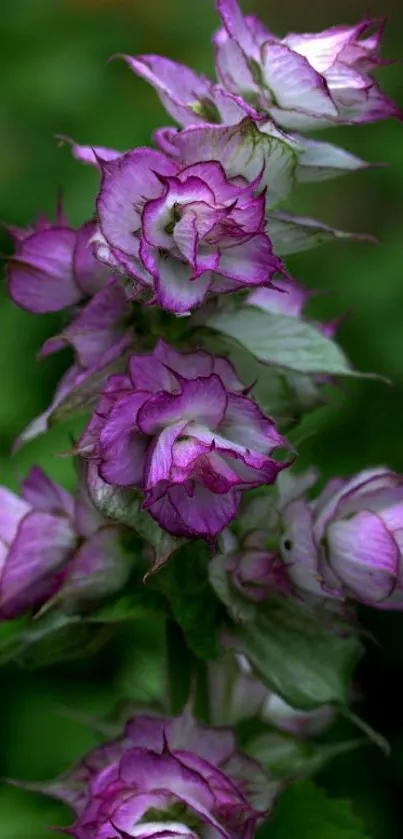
column 53, row 266
column 182, row 233
column 165, row 778
column 254, row 569
column 54, row 547
column 348, row 542
column 305, row 81
column 179, row 429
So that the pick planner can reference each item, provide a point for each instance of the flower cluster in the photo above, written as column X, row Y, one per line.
column 188, row 333
column 165, row 777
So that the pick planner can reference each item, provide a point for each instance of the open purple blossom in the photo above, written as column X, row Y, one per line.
column 303, row 81
column 348, row 542
column 165, row 778
column 52, row 546
column 182, row 232
column 179, row 429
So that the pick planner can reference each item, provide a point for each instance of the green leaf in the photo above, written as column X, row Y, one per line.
column 300, row 652
column 55, row 637
column 131, row 606
column 283, row 341
column 304, row 811
column 125, row 506
column 287, row 757
column 194, row 605
column 293, row 234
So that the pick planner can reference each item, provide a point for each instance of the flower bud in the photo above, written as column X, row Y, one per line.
column 348, row 543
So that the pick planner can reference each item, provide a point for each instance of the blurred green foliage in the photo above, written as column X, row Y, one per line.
column 56, row 81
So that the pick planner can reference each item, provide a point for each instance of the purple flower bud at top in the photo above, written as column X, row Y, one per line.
column 182, row 232
column 179, row 429
column 165, row 778
column 348, row 542
column 52, row 547
column 305, row 81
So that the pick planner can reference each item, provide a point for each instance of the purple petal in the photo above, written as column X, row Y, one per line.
column 180, row 89
column 41, row 276
column 122, row 448
column 12, row 511
column 198, row 364
column 236, row 25
column 251, row 263
column 94, row 155
column 39, row 551
column 203, row 513
column 215, row 745
column 99, row 568
column 100, row 324
column 148, row 373
column 90, row 274
column 126, row 183
column 285, row 298
column 43, row 494
column 294, row 83
column 364, row 555
column 246, row 425
column 204, row 400
column 149, row 771
column 159, row 456
column 298, row 548
column 176, row 289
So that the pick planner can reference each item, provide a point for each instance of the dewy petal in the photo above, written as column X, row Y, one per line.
column 250, row 263
column 44, row 494
column 203, row 400
column 39, row 552
column 294, row 83
column 40, row 275
column 12, row 511
column 179, row 87
column 364, row 555
column 176, row 289
column 126, row 183
column 204, row 513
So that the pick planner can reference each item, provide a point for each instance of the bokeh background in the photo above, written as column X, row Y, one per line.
column 56, row 80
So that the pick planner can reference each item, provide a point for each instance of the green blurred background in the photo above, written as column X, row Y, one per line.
column 56, row 80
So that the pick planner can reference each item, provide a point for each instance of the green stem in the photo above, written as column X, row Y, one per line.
column 187, row 681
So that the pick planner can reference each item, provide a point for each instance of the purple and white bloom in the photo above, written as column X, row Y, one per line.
column 179, row 428
column 182, row 232
column 53, row 547
column 303, row 81
column 165, row 779
column 348, row 542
